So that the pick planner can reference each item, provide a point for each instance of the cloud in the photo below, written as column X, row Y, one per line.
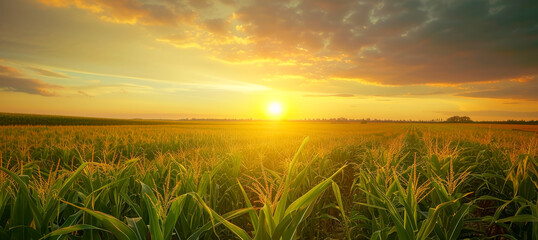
column 84, row 93
column 200, row 4
column 347, row 88
column 48, row 73
column 217, row 26
column 14, row 81
column 508, row 114
column 118, row 88
column 9, row 71
column 343, row 95
column 522, row 90
column 462, row 41
column 389, row 42
column 167, row 12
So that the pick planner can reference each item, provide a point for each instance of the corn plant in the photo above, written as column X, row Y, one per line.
column 33, row 214
column 208, row 180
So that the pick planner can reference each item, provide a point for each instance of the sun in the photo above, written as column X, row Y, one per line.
column 275, row 109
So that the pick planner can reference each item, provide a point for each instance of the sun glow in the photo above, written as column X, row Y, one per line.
column 275, row 109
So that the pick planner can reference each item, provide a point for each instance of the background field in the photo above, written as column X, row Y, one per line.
column 350, row 180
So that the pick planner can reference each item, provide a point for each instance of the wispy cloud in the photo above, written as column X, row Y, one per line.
column 342, row 95
column 14, row 81
column 133, row 11
column 486, row 113
column 508, row 89
column 119, row 88
column 47, row 73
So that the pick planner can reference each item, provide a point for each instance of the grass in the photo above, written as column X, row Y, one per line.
column 268, row 180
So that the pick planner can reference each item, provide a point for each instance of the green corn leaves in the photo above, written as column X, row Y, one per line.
column 345, row 182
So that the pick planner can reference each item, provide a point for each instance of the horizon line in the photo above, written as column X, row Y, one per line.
column 325, row 119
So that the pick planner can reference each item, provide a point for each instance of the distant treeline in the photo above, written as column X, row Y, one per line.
column 530, row 122
column 453, row 119
column 35, row 119
column 466, row 119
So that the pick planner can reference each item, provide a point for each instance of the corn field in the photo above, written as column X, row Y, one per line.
column 269, row 180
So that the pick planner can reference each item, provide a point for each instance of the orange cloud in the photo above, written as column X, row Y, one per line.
column 523, row 79
column 409, row 42
column 82, row 4
column 14, row 81
column 132, row 11
column 217, row 26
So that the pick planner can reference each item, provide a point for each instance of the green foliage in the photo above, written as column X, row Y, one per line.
column 254, row 181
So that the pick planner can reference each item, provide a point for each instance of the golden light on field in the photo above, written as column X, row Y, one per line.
column 275, row 109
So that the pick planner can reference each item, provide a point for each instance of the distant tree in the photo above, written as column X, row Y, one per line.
column 458, row 119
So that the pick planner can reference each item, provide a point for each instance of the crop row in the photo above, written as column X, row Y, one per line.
column 267, row 181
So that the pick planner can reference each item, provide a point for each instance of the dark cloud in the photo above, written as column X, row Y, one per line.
column 395, row 42
column 228, row 2
column 200, row 4
column 403, row 42
column 462, row 41
column 12, row 80
column 390, row 42
column 217, row 26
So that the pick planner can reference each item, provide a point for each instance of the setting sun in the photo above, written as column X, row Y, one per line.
column 336, row 119
column 275, row 109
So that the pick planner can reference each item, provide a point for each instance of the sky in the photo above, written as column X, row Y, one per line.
column 169, row 59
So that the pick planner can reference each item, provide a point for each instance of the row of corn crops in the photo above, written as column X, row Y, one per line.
column 268, row 181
